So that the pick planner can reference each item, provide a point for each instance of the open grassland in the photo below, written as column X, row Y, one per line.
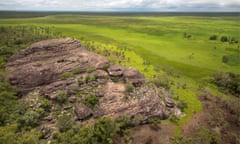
column 158, row 40
column 174, row 49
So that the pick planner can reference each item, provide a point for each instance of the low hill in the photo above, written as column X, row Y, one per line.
column 83, row 87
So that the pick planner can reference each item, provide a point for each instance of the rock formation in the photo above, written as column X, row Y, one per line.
column 63, row 65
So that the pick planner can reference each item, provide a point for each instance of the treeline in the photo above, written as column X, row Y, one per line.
column 231, row 40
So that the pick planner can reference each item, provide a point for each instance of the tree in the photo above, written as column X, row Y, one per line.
column 224, row 39
column 65, row 123
column 225, row 59
column 213, row 37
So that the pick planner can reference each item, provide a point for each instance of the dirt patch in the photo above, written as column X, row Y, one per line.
column 147, row 134
column 219, row 122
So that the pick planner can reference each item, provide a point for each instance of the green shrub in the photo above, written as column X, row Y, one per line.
column 18, row 42
column 213, row 37
column 46, row 105
column 77, row 71
column 225, row 59
column 123, row 122
column 228, row 82
column 162, row 81
column 106, row 66
column 224, row 39
column 66, row 75
column 174, row 119
column 90, row 69
column 94, row 77
column 89, row 78
column 182, row 105
column 186, row 35
column 129, row 87
column 61, row 97
column 65, row 123
column 116, row 79
column 30, row 119
column 80, row 82
column 180, row 140
column 205, row 135
column 104, row 130
column 154, row 120
column 8, row 134
column 91, row 101
column 8, row 102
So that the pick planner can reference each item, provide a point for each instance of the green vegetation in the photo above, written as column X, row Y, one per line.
column 90, row 78
column 162, row 81
column 90, row 69
column 61, row 97
column 12, row 40
column 66, row 75
column 80, row 81
column 228, row 82
column 101, row 132
column 77, row 71
column 129, row 87
column 65, row 123
column 213, row 37
column 91, row 101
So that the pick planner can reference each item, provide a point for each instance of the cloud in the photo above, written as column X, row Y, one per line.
column 112, row 5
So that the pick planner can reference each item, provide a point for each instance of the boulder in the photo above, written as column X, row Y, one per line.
column 116, row 70
column 133, row 76
column 101, row 74
column 169, row 102
column 72, row 99
column 83, row 112
column 98, row 113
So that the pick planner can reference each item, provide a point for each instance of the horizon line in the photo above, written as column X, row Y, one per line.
column 118, row 11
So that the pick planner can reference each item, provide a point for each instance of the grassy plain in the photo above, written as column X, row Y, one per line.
column 187, row 63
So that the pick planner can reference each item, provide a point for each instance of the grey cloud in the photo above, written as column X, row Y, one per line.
column 95, row 5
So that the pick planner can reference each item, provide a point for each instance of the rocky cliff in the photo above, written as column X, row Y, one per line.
column 85, row 84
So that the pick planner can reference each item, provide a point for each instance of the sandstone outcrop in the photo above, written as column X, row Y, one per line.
column 43, row 63
column 57, row 65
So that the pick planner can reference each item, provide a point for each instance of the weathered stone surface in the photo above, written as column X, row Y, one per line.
column 72, row 99
column 133, row 76
column 101, row 74
column 169, row 102
column 100, row 93
column 146, row 105
column 83, row 112
column 116, row 70
column 98, row 113
column 43, row 63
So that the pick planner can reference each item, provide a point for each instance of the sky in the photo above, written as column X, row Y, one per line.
column 122, row 5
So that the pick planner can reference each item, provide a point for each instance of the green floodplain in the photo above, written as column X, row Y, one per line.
column 183, row 51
